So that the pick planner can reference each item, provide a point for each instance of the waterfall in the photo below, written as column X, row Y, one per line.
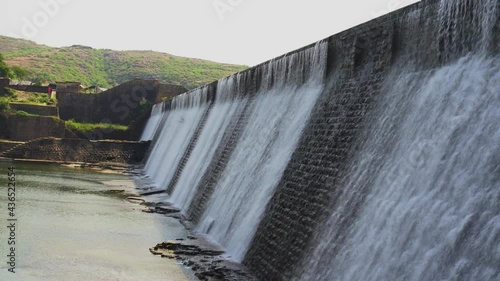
column 153, row 122
column 227, row 105
column 376, row 158
column 174, row 136
column 281, row 109
column 420, row 200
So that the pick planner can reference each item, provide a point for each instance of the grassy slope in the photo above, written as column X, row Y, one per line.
column 107, row 68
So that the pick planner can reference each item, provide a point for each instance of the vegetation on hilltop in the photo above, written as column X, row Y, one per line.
column 8, row 95
column 108, row 68
column 14, row 72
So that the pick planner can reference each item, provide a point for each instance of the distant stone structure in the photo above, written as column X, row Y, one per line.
column 40, row 110
column 4, row 83
column 119, row 105
column 69, row 87
column 167, row 91
column 25, row 128
column 115, row 105
column 30, row 88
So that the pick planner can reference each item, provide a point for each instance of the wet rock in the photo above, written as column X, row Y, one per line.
column 135, row 200
column 176, row 216
column 207, row 263
column 154, row 204
column 165, row 210
column 152, row 192
column 162, row 210
column 201, row 277
column 184, row 249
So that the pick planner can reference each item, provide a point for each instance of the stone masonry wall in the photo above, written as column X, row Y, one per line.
column 302, row 196
column 32, row 127
column 30, row 88
column 76, row 106
column 4, row 83
column 6, row 145
column 166, row 91
column 76, row 150
column 359, row 60
column 116, row 105
column 41, row 110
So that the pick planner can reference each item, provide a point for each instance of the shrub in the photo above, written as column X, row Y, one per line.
column 19, row 72
column 11, row 93
column 88, row 127
column 144, row 106
column 38, row 98
column 21, row 113
column 4, row 104
column 43, row 99
column 32, row 99
column 51, row 101
column 5, row 71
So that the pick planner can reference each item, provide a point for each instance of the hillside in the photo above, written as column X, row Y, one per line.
column 107, row 68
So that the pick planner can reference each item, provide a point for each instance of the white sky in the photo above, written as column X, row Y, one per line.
column 247, row 32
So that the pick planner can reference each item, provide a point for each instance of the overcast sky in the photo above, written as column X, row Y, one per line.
column 232, row 31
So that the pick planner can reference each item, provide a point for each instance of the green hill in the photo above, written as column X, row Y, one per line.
column 107, row 68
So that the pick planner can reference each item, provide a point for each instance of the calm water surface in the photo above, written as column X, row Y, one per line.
column 69, row 229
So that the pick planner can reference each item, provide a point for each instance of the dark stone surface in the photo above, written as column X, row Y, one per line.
column 30, row 88
column 25, row 128
column 4, row 83
column 301, row 199
column 359, row 61
column 78, row 150
column 6, row 145
column 41, row 110
column 115, row 105
column 204, row 259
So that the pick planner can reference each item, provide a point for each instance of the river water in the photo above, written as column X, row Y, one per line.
column 68, row 228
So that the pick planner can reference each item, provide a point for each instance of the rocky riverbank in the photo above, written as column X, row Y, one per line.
column 207, row 260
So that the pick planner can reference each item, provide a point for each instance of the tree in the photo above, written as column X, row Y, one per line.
column 19, row 72
column 5, row 71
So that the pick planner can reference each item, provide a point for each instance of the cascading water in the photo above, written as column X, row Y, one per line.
column 421, row 199
column 153, row 122
column 227, row 105
column 418, row 199
column 290, row 88
column 174, row 136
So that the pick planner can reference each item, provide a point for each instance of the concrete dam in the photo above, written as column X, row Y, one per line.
column 370, row 155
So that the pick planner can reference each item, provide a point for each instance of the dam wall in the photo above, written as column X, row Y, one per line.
column 321, row 164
